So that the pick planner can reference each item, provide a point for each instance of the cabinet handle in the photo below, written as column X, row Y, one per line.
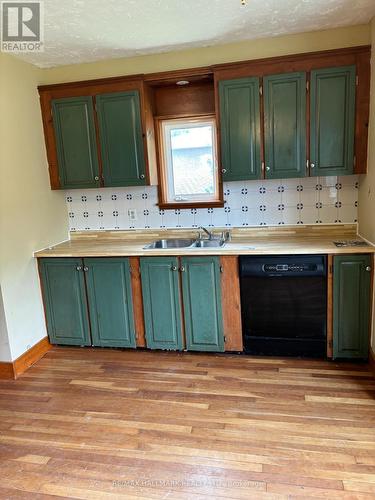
column 142, row 176
column 79, row 268
column 368, row 269
column 85, row 269
column 174, row 268
column 224, row 170
column 96, row 178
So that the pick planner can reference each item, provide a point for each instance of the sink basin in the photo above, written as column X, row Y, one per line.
column 170, row 243
column 209, row 243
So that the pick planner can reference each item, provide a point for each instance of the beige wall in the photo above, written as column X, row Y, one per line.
column 367, row 183
column 31, row 215
column 253, row 49
column 366, row 203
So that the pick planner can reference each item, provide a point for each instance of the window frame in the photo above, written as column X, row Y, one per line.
column 163, row 171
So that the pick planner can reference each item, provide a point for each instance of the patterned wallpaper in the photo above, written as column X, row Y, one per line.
column 320, row 200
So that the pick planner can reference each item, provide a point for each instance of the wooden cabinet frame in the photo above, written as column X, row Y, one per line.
column 358, row 56
column 145, row 84
column 93, row 88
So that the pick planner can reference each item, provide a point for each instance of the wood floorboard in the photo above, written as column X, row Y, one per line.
column 112, row 424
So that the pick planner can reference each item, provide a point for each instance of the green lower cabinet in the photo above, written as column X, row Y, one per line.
column 110, row 302
column 161, row 302
column 202, row 303
column 351, row 306
column 64, row 294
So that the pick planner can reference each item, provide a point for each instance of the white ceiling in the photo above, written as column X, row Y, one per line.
column 79, row 31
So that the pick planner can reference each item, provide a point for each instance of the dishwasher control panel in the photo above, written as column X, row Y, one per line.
column 283, row 265
column 293, row 268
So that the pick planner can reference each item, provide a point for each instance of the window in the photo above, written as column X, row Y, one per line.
column 189, row 173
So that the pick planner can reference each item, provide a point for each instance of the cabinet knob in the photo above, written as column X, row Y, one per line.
column 182, row 269
column 79, row 268
column 224, row 170
column 96, row 178
column 85, row 269
column 142, row 176
column 268, row 169
column 368, row 269
column 312, row 165
column 174, row 268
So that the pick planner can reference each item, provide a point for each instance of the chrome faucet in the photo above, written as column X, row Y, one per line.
column 209, row 234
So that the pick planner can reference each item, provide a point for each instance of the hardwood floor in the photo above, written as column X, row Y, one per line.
column 113, row 424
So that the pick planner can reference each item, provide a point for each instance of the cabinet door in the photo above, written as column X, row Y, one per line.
column 240, row 129
column 285, row 125
column 202, row 303
column 121, row 139
column 110, row 302
column 332, row 121
column 73, row 121
column 351, row 308
column 161, row 302
column 64, row 295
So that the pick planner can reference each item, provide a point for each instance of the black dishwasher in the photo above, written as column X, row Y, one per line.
column 284, row 305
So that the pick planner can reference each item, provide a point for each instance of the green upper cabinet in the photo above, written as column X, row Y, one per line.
column 351, row 306
column 240, row 129
column 110, row 301
column 202, row 303
column 332, row 125
column 77, row 155
column 64, row 295
column 121, row 139
column 161, row 302
column 285, row 125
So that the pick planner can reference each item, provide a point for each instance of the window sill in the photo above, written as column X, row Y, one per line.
column 191, row 204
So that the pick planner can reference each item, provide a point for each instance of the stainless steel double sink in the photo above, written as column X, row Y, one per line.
column 186, row 243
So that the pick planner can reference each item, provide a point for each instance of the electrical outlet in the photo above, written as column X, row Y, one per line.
column 132, row 213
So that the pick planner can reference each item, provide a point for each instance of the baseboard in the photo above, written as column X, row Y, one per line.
column 6, row 370
column 13, row 370
column 371, row 360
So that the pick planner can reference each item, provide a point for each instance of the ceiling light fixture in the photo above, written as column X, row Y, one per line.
column 182, row 82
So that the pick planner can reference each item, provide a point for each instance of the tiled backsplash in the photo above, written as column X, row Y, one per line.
column 321, row 200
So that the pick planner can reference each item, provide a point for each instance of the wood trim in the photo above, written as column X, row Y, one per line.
column 16, row 368
column 371, row 360
column 193, row 74
column 162, row 185
column 330, row 306
column 136, row 285
column 231, row 303
column 298, row 57
column 49, row 137
column 192, row 204
column 6, row 370
column 97, row 81
column 362, row 110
